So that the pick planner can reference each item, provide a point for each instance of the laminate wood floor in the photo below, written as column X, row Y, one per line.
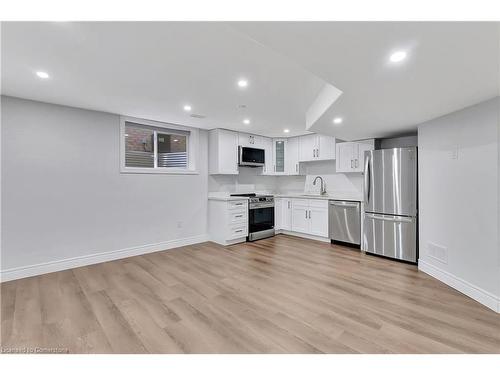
column 278, row 295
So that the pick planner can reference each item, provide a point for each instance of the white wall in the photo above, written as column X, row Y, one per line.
column 64, row 197
column 250, row 180
column 458, row 207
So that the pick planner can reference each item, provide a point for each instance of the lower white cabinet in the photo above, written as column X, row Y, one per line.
column 283, row 214
column 308, row 216
column 228, row 221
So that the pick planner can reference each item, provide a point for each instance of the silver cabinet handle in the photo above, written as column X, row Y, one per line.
column 288, row 204
column 306, row 214
column 296, row 167
column 238, row 204
column 351, row 164
column 239, row 216
column 356, row 163
column 239, row 230
column 309, row 214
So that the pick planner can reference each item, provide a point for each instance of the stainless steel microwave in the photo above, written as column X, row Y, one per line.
column 251, row 157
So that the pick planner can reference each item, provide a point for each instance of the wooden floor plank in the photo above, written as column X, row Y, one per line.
column 279, row 295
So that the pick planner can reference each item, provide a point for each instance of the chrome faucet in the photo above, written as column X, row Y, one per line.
column 323, row 188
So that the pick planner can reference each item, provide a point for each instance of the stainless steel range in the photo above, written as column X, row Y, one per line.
column 260, row 216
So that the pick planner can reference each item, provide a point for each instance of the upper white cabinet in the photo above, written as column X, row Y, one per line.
column 316, row 147
column 267, row 145
column 222, row 152
column 350, row 156
column 292, row 156
column 279, row 156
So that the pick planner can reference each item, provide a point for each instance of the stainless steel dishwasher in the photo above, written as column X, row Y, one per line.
column 344, row 222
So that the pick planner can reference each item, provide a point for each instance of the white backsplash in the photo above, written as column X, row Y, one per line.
column 250, row 180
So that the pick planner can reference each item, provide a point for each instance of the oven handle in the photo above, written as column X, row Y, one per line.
column 252, row 207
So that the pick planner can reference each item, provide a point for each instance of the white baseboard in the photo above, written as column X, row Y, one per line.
column 486, row 298
column 303, row 235
column 65, row 264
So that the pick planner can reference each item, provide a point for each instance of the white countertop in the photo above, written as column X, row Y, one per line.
column 348, row 196
column 226, row 198
column 334, row 196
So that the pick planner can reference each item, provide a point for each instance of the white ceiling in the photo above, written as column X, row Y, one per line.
column 151, row 70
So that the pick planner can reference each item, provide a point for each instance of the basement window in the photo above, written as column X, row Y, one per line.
column 153, row 147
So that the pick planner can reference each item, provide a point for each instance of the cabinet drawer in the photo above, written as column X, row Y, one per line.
column 238, row 231
column 300, row 203
column 318, row 203
column 238, row 216
column 235, row 205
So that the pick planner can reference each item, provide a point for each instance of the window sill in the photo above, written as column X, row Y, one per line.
column 156, row 171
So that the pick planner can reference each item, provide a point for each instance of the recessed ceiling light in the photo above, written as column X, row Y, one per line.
column 246, row 121
column 286, row 130
column 43, row 75
column 242, row 83
column 398, row 56
column 187, row 108
column 337, row 120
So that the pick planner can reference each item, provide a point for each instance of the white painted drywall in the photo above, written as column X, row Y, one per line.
column 250, row 180
column 458, row 199
column 63, row 195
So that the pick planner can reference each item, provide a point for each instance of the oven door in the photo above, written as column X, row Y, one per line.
column 261, row 218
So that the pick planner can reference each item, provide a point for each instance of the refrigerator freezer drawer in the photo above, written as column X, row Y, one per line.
column 390, row 236
column 345, row 221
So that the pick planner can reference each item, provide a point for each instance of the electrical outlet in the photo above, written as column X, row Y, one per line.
column 437, row 252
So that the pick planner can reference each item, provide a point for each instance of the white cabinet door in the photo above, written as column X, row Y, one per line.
column 286, row 214
column 325, row 147
column 300, row 218
column 307, row 147
column 318, row 221
column 344, row 161
column 279, row 156
column 360, row 156
column 278, row 213
column 267, row 145
column 292, row 156
column 223, row 152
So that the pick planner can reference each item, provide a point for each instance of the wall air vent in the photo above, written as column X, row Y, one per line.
column 197, row 116
column 437, row 252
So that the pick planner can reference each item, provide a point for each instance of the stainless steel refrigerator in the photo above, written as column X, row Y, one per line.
column 390, row 195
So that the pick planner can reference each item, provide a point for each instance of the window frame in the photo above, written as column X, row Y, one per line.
column 191, row 147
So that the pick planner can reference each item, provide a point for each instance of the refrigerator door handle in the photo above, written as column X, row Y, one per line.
column 367, row 179
column 390, row 218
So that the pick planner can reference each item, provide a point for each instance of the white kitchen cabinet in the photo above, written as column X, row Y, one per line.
column 310, row 216
column 307, row 147
column 228, row 221
column 314, row 147
column 222, row 152
column 300, row 216
column 279, row 156
column 267, row 145
column 318, row 218
column 283, row 214
column 292, row 156
column 350, row 156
